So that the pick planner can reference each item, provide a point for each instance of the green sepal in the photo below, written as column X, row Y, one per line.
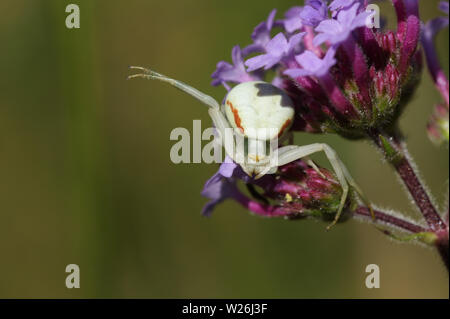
column 428, row 238
column 391, row 153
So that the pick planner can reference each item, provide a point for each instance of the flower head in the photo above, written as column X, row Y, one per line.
column 344, row 77
column 296, row 190
column 306, row 192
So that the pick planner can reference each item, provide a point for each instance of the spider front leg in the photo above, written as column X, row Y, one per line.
column 152, row 75
column 289, row 137
column 220, row 122
column 291, row 153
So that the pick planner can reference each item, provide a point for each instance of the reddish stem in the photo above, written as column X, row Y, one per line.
column 399, row 159
column 420, row 196
column 412, row 182
column 389, row 219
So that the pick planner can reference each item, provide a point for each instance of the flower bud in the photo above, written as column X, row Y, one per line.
column 306, row 192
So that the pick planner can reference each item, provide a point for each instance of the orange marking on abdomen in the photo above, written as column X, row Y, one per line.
column 285, row 125
column 237, row 119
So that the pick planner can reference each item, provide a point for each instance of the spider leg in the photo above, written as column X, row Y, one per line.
column 270, row 165
column 352, row 183
column 149, row 74
column 289, row 153
column 311, row 163
column 220, row 122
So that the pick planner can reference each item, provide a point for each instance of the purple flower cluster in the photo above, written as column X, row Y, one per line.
column 343, row 77
column 346, row 77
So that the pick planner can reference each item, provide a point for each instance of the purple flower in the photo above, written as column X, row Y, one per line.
column 338, row 30
column 312, row 65
column 438, row 124
column 433, row 26
column 226, row 72
column 443, row 6
column 220, row 186
column 223, row 185
column 293, row 21
column 276, row 50
column 355, row 82
column 261, row 35
column 314, row 12
column 429, row 32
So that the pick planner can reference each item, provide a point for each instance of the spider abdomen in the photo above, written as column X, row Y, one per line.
column 259, row 110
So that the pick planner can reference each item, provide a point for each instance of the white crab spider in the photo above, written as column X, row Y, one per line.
column 259, row 113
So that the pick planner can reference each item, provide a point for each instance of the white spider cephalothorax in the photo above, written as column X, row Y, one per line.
column 255, row 116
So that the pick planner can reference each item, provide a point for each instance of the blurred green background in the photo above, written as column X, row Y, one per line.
column 87, row 179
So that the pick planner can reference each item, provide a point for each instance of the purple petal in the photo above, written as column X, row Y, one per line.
column 308, row 60
column 362, row 19
column 294, row 41
column 339, row 4
column 253, row 48
column 314, row 12
column 217, row 189
column 277, row 49
column 346, row 16
column 321, row 38
column 292, row 25
column 236, row 56
column 227, row 168
column 295, row 73
column 434, row 26
column 226, row 72
column 312, row 65
column 443, row 6
column 293, row 12
column 337, row 31
column 271, row 19
column 330, row 26
column 293, row 21
column 278, row 45
column 257, row 62
column 261, row 34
